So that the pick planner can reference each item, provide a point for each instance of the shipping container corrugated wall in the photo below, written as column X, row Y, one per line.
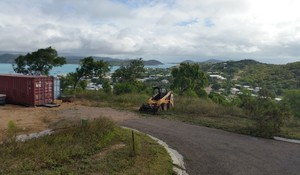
column 27, row 90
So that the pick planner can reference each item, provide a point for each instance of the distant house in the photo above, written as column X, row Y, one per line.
column 256, row 90
column 234, row 91
column 219, row 77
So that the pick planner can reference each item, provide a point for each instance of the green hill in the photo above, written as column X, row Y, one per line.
column 275, row 78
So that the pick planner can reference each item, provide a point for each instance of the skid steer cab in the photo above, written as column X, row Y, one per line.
column 161, row 99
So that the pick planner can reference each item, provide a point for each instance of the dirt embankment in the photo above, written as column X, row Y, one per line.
column 35, row 119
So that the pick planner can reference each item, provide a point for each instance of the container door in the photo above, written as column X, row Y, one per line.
column 48, row 88
column 38, row 93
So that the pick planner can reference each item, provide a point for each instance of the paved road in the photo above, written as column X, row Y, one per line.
column 211, row 151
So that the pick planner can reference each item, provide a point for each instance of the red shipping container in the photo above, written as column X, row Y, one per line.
column 27, row 90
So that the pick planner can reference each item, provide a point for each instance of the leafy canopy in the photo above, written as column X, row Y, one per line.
column 188, row 77
column 88, row 68
column 38, row 62
column 131, row 72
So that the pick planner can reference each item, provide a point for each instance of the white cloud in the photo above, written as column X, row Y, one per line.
column 267, row 30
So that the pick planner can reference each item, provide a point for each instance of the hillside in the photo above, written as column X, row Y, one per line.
column 276, row 78
column 9, row 58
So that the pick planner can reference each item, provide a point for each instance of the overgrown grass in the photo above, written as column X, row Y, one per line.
column 117, row 101
column 194, row 110
column 230, row 118
column 207, row 113
column 99, row 147
column 205, row 107
column 292, row 129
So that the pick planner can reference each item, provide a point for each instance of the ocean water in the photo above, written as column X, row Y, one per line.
column 67, row 68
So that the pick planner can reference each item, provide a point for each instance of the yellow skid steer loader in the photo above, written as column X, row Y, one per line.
column 162, row 99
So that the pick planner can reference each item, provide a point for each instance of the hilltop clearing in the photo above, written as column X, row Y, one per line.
column 30, row 120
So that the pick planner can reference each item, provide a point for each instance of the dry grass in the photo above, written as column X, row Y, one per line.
column 100, row 147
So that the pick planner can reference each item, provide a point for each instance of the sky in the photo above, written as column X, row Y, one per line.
column 168, row 30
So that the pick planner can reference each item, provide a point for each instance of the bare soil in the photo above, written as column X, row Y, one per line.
column 36, row 119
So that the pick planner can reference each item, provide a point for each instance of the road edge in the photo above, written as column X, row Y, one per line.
column 177, row 159
column 286, row 140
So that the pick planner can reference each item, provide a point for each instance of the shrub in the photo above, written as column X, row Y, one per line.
column 201, row 93
column 11, row 130
column 106, row 86
column 123, row 88
column 190, row 93
column 218, row 98
column 197, row 106
column 268, row 115
column 292, row 98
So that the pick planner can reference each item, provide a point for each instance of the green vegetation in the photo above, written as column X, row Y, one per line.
column 38, row 62
column 88, row 68
column 189, row 79
column 97, row 147
column 268, row 119
column 276, row 78
column 125, row 78
column 292, row 98
column 129, row 73
column 122, row 101
column 269, row 116
column 11, row 131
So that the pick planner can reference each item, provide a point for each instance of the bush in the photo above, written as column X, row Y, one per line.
column 268, row 115
column 189, row 93
column 218, row 98
column 292, row 98
column 11, row 130
column 106, row 86
column 124, row 88
column 196, row 106
column 201, row 93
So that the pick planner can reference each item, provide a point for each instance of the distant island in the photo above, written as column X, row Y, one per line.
column 210, row 61
column 10, row 58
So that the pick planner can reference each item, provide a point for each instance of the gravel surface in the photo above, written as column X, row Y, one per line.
column 212, row 151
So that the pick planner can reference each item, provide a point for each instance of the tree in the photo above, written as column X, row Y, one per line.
column 126, row 77
column 188, row 77
column 131, row 72
column 38, row 62
column 88, row 68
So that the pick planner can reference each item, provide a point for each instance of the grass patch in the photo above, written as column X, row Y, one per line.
column 100, row 98
column 90, row 149
column 230, row 118
column 193, row 110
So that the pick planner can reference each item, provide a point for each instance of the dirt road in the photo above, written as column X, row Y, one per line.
column 211, row 151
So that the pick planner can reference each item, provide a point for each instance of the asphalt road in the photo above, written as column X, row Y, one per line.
column 211, row 151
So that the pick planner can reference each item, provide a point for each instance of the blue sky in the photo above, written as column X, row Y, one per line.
column 170, row 30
